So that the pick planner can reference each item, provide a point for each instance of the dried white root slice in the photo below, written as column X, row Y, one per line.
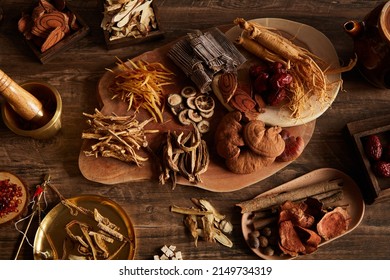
column 210, row 227
column 169, row 253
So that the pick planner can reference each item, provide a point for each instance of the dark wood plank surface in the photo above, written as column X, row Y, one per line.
column 76, row 73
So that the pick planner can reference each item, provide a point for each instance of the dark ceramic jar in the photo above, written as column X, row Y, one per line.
column 372, row 44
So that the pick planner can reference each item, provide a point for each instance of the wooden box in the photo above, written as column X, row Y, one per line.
column 127, row 41
column 377, row 188
column 64, row 44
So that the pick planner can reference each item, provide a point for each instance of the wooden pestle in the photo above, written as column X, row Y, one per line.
column 22, row 102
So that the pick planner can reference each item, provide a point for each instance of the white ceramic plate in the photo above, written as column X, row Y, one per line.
column 351, row 197
column 318, row 44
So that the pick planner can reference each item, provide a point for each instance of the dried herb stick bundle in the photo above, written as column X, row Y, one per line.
column 264, row 202
column 201, row 55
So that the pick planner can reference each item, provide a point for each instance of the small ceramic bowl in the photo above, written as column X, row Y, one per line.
column 51, row 100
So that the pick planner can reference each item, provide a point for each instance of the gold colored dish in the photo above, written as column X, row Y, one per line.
column 351, row 197
column 51, row 237
column 13, row 179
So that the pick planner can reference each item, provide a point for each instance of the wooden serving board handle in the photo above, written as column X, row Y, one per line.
column 23, row 102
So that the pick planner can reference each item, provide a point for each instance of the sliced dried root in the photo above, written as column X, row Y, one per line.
column 119, row 137
column 124, row 19
column 205, row 222
column 92, row 244
column 169, row 253
column 186, row 155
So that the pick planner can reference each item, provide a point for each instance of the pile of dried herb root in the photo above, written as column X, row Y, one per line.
column 120, row 137
column 206, row 222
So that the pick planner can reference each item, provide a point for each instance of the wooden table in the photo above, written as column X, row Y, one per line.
column 76, row 73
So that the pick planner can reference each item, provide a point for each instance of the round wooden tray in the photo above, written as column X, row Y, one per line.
column 22, row 206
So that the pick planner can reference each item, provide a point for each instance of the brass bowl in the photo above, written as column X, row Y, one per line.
column 51, row 100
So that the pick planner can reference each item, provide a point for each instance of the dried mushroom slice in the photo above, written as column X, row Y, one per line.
column 174, row 99
column 188, row 91
column 203, row 126
column 207, row 115
column 183, row 117
column 175, row 102
column 263, row 141
column 194, row 116
column 191, row 102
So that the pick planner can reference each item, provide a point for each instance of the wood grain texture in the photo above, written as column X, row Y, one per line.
column 76, row 72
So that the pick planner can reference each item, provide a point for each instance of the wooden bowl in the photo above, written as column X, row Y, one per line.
column 13, row 179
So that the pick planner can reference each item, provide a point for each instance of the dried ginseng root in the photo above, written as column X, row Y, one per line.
column 119, row 137
column 309, row 79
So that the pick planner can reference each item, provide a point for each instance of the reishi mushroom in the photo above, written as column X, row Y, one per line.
column 228, row 135
column 262, row 141
column 247, row 148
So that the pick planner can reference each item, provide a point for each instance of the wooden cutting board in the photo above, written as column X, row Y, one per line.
column 217, row 178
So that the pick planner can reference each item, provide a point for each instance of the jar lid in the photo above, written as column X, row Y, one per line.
column 384, row 20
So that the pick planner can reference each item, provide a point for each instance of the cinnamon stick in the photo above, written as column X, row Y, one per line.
column 263, row 202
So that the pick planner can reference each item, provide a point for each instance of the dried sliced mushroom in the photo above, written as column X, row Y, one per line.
column 194, row 116
column 188, row 91
column 207, row 115
column 174, row 99
column 183, row 117
column 191, row 102
column 203, row 126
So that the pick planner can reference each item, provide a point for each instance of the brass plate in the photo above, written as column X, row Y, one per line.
column 52, row 227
